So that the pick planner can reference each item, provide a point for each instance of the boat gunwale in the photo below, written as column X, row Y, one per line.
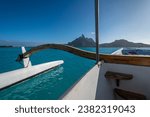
column 139, row 60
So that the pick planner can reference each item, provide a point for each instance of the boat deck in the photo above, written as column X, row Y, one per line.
column 95, row 85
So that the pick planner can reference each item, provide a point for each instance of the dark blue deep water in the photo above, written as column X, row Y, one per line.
column 49, row 85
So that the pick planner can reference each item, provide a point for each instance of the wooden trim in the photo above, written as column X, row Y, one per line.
column 117, row 59
column 73, row 50
column 118, row 76
column 126, row 59
column 128, row 95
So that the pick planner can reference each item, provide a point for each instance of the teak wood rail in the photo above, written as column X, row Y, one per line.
column 118, row 59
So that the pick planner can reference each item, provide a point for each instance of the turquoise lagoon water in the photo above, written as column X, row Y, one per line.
column 51, row 84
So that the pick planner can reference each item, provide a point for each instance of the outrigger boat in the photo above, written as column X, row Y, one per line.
column 114, row 76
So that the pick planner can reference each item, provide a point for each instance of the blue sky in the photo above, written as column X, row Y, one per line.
column 61, row 21
column 125, row 19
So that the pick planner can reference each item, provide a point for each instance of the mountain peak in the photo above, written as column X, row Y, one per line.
column 82, row 36
column 82, row 41
column 122, row 40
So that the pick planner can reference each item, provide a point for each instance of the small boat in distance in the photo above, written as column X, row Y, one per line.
column 10, row 78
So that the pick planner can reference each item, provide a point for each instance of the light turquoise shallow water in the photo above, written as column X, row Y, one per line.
column 53, row 83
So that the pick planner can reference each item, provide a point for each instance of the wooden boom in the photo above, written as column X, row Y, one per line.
column 118, row 59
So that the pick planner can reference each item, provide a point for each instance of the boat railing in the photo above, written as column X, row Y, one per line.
column 117, row 59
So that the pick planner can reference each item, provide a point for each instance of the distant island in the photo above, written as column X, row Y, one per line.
column 124, row 43
column 6, row 46
column 83, row 41
column 10, row 43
